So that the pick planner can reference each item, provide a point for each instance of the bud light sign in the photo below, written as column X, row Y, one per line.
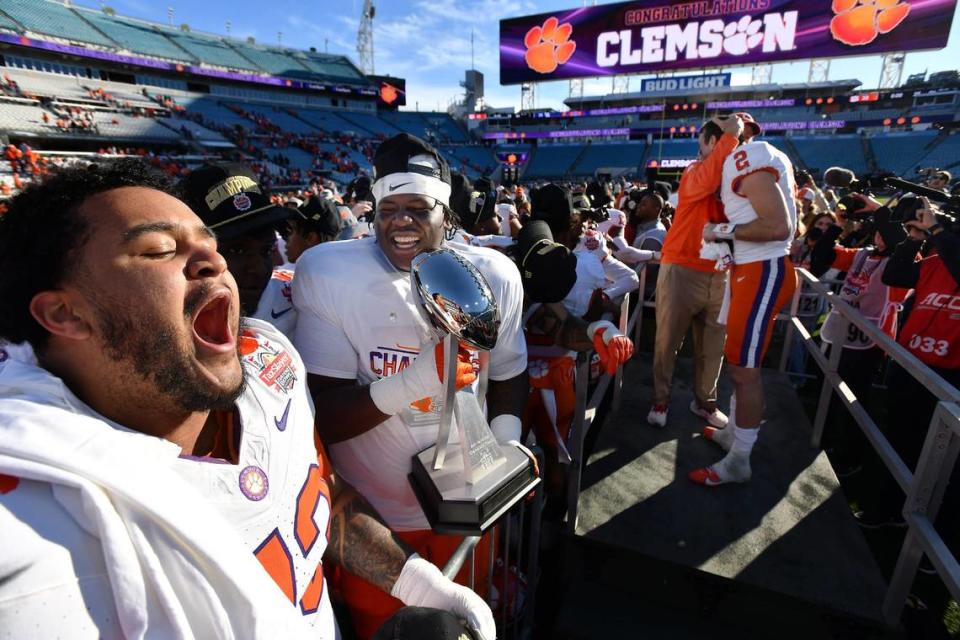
column 654, row 35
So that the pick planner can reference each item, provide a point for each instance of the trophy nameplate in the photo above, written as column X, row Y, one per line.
column 463, row 493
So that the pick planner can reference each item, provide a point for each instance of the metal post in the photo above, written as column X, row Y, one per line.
column 578, row 426
column 638, row 327
column 618, row 376
column 788, row 338
column 924, row 498
column 506, row 575
column 533, row 567
column 826, row 393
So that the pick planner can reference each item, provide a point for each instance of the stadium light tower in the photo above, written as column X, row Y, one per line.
column 528, row 96
column 819, row 70
column 891, row 70
column 365, row 37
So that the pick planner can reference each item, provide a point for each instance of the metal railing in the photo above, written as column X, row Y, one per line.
column 925, row 488
column 585, row 410
column 513, row 623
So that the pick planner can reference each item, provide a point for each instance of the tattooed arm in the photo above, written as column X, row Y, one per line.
column 568, row 330
column 359, row 540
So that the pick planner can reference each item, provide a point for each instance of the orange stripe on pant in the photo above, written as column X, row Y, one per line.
column 370, row 606
column 758, row 291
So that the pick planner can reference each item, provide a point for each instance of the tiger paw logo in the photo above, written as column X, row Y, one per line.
column 859, row 22
column 549, row 45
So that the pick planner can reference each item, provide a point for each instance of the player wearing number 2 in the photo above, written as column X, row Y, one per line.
column 757, row 191
column 159, row 473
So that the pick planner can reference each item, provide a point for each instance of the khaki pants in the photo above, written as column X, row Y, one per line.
column 688, row 297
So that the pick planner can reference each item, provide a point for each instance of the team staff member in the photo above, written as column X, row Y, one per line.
column 372, row 356
column 689, row 288
column 158, row 470
column 757, row 193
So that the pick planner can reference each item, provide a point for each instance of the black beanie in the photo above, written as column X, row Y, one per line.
column 548, row 270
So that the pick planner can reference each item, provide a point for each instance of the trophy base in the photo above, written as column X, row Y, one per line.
column 454, row 507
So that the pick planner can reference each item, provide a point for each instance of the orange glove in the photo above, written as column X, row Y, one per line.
column 613, row 347
column 467, row 365
column 467, row 369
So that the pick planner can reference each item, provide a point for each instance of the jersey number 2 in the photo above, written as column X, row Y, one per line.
column 740, row 158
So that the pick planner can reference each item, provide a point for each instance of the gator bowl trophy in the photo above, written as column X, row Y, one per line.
column 466, row 493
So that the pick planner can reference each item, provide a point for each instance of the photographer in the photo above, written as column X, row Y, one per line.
column 931, row 332
column 864, row 289
column 938, row 179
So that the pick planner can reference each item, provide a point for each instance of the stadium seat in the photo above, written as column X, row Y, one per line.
column 54, row 19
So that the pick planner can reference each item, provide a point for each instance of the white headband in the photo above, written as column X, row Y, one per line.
column 411, row 183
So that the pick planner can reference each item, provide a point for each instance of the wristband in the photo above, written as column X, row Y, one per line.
column 933, row 229
column 506, row 427
column 724, row 231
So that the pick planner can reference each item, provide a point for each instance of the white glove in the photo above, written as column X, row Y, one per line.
column 419, row 380
column 506, row 428
column 719, row 252
column 421, row 584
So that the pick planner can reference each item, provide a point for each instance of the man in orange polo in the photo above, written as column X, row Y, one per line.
column 690, row 289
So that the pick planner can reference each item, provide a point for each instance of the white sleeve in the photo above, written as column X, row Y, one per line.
column 509, row 358
column 320, row 337
column 630, row 255
column 623, row 278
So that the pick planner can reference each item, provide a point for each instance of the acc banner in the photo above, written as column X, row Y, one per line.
column 653, row 35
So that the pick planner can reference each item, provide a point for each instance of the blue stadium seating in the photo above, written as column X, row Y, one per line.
column 472, row 161
column 619, row 154
column 445, row 126
column 898, row 152
column 944, row 155
column 214, row 112
column 552, row 161
column 369, row 122
column 328, row 121
column 136, row 37
column 271, row 61
column 53, row 19
column 332, row 66
column 687, row 148
column 820, row 152
column 409, row 121
column 210, row 50
column 8, row 24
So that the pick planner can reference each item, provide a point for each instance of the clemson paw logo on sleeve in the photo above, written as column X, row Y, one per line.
column 859, row 22
column 549, row 45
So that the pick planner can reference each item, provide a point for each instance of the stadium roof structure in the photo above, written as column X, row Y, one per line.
column 770, row 89
column 102, row 31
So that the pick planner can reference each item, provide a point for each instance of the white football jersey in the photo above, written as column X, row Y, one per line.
column 746, row 159
column 275, row 499
column 275, row 306
column 359, row 320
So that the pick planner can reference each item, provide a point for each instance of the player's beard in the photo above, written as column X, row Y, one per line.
column 155, row 353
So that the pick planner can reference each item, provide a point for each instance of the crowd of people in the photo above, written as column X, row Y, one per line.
column 252, row 418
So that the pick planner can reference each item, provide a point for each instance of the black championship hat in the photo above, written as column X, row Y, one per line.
column 460, row 190
column 548, row 270
column 228, row 199
column 482, row 206
column 319, row 214
column 551, row 203
column 405, row 164
column 359, row 189
column 421, row 623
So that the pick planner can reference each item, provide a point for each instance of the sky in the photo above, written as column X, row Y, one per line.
column 428, row 42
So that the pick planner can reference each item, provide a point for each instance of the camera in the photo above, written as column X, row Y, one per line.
column 907, row 206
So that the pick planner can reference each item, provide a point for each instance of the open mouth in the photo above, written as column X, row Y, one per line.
column 405, row 241
column 211, row 323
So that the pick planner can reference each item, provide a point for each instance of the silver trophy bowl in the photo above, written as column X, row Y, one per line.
column 456, row 297
column 466, row 493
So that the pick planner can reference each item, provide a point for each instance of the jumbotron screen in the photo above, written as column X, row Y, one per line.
column 654, row 35
column 391, row 92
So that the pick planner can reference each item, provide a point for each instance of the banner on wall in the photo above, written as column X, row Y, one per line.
column 657, row 35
